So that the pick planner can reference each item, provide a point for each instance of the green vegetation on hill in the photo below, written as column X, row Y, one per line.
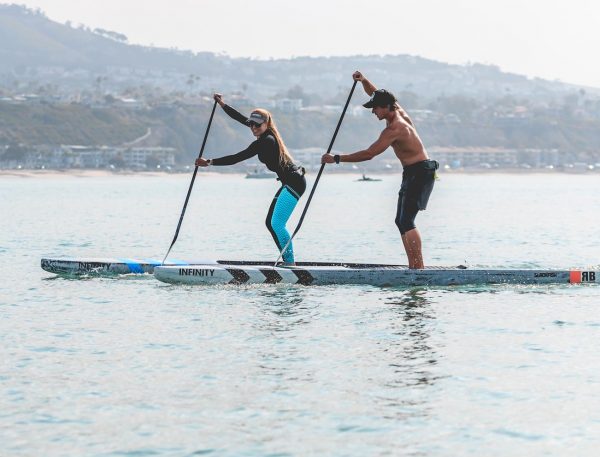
column 34, row 124
column 182, row 127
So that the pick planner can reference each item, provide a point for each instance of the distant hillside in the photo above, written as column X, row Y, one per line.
column 65, row 85
column 29, row 38
column 183, row 127
column 31, row 46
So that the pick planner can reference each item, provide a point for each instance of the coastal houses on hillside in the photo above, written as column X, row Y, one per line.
column 451, row 158
column 88, row 157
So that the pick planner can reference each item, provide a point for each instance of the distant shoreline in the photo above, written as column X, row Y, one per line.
column 89, row 173
column 75, row 173
column 85, row 173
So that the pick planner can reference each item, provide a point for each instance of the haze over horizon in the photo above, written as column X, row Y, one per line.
column 551, row 40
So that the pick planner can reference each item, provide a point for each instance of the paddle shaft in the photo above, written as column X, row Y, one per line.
column 314, row 187
column 187, row 197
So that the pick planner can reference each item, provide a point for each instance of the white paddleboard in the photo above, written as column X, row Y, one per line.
column 365, row 274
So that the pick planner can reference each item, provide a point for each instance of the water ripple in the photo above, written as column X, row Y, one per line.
column 127, row 366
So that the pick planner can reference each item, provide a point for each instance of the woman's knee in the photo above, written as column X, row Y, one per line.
column 275, row 224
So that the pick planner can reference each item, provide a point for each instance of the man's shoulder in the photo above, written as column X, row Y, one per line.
column 398, row 128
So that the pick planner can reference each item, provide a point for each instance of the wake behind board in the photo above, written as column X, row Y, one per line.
column 362, row 274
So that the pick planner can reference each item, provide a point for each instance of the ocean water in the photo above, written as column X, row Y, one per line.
column 133, row 367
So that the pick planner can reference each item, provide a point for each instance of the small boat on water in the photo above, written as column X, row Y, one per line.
column 256, row 174
column 367, row 178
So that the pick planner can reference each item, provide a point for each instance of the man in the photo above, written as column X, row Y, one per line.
column 419, row 172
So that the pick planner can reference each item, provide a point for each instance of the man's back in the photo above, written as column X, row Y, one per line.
column 407, row 145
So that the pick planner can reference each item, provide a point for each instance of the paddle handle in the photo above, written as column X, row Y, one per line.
column 187, row 197
column 314, row 187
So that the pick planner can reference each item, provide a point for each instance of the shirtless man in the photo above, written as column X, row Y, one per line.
column 419, row 172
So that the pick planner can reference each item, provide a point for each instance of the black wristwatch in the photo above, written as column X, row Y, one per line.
column 336, row 158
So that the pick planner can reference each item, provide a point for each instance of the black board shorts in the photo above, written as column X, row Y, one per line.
column 417, row 184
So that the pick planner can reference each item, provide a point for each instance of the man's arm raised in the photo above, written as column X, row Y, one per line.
column 368, row 86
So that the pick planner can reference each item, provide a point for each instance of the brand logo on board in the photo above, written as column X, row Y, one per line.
column 196, row 272
column 588, row 276
column 548, row 274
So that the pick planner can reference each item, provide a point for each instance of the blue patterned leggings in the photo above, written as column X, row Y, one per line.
column 281, row 209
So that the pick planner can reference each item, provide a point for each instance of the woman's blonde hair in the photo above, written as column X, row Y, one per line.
column 285, row 158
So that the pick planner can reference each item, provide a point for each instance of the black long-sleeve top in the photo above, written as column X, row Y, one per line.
column 265, row 147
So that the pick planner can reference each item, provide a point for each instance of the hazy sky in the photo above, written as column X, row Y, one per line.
column 548, row 38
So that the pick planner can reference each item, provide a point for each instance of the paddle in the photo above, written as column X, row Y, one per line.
column 191, row 183
column 318, row 175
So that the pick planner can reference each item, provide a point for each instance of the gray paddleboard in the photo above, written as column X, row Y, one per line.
column 105, row 266
column 365, row 274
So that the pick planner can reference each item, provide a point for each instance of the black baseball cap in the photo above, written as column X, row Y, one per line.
column 380, row 97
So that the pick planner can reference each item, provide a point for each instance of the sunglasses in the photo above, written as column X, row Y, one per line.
column 254, row 125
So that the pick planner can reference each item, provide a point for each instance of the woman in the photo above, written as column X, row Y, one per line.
column 271, row 151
